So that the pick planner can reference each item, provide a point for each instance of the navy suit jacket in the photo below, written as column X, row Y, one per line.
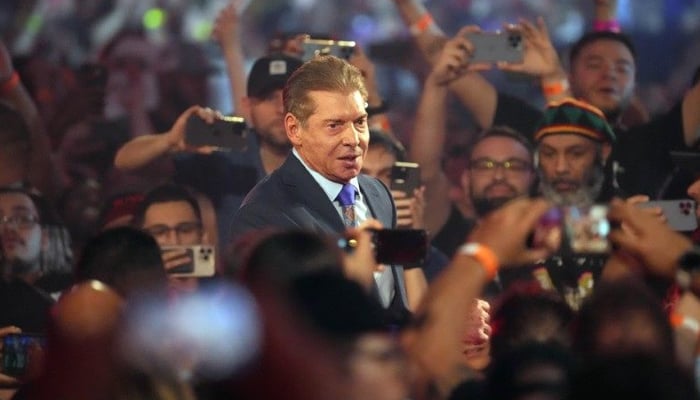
column 290, row 198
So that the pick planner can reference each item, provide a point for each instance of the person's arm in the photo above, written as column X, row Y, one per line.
column 428, row 139
column 477, row 94
column 434, row 340
column 142, row 151
column 41, row 170
column 691, row 116
column 227, row 32
column 540, row 59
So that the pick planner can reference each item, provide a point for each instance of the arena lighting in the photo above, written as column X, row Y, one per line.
column 154, row 18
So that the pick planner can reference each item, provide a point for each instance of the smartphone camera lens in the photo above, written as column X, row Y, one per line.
column 514, row 40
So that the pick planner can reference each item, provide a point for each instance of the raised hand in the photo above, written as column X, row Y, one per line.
column 359, row 263
column 454, row 59
column 505, row 231
column 540, row 58
column 647, row 238
column 176, row 135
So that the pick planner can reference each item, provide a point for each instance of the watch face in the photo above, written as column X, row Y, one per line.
column 690, row 261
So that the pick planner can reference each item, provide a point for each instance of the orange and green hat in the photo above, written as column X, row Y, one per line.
column 574, row 117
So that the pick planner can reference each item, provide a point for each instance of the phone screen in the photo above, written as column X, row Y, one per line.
column 573, row 230
column 401, row 246
column 18, row 351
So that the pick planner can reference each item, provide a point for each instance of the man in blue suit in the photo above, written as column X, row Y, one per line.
column 326, row 122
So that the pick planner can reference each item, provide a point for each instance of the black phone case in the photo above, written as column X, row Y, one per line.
column 223, row 134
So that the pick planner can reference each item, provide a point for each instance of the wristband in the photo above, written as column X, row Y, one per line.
column 484, row 256
column 606, row 26
column 681, row 321
column 10, row 84
column 422, row 24
column 555, row 88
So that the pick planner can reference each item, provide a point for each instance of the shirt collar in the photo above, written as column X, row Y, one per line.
column 329, row 187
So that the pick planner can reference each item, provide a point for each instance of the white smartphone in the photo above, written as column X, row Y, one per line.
column 202, row 264
column 680, row 214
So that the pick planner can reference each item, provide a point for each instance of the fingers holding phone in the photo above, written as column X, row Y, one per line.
column 176, row 259
column 358, row 261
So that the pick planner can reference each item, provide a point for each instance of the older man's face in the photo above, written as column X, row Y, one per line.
column 571, row 168
column 21, row 235
column 335, row 138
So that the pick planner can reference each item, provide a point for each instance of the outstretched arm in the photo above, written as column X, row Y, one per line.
column 227, row 32
column 428, row 140
column 477, row 94
column 40, row 173
column 144, row 150
column 433, row 343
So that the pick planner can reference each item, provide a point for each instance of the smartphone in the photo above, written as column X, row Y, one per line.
column 586, row 229
column 680, row 214
column 492, row 47
column 573, row 230
column 18, row 352
column 323, row 47
column 224, row 134
column 202, row 261
column 405, row 176
column 400, row 246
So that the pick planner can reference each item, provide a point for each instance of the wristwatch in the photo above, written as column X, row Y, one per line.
column 688, row 265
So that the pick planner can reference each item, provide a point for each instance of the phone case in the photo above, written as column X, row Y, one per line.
column 224, row 134
column 680, row 214
column 491, row 47
column 203, row 261
column 405, row 176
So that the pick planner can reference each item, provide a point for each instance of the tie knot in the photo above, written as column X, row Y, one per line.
column 346, row 197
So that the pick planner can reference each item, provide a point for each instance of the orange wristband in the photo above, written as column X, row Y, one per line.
column 10, row 84
column 422, row 24
column 680, row 321
column 556, row 88
column 484, row 256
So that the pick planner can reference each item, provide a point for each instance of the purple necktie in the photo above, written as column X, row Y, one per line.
column 346, row 198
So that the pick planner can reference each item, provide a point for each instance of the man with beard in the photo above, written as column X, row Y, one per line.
column 572, row 157
column 500, row 161
column 574, row 143
column 225, row 177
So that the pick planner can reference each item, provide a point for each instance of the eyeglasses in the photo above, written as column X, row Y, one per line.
column 181, row 230
column 514, row 165
column 22, row 221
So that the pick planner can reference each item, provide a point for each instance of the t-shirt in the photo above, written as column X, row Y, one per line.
column 225, row 177
column 454, row 233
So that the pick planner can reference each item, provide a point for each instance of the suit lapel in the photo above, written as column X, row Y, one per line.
column 308, row 198
column 379, row 206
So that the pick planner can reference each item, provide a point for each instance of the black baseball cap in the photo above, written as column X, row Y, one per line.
column 270, row 73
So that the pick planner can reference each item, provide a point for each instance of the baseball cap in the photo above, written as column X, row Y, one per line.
column 574, row 117
column 270, row 73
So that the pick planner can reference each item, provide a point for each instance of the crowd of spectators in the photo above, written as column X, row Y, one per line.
column 138, row 261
